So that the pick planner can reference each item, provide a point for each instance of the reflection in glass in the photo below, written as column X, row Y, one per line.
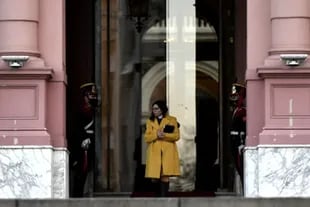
column 172, row 72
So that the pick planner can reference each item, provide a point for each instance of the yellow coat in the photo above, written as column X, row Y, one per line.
column 162, row 156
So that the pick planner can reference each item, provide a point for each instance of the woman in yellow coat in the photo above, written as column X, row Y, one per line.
column 162, row 159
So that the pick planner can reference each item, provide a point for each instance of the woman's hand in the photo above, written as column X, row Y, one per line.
column 160, row 134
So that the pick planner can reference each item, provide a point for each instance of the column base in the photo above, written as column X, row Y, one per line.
column 33, row 172
column 277, row 171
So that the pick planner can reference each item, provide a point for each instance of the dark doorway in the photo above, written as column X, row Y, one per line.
column 228, row 17
column 80, row 69
column 213, row 115
column 207, row 170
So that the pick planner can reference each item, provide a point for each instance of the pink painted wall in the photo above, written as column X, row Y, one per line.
column 277, row 95
column 52, row 47
column 33, row 98
column 258, row 44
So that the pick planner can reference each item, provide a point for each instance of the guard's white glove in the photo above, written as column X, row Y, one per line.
column 85, row 144
column 240, row 148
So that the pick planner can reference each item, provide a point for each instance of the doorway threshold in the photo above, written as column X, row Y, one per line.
column 170, row 194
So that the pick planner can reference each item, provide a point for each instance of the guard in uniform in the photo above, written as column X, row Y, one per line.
column 238, row 125
column 83, row 154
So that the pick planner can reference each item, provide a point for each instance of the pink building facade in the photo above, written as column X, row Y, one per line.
column 33, row 149
column 34, row 158
column 276, row 163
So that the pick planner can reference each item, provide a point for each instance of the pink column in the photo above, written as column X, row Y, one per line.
column 278, row 99
column 286, row 88
column 19, row 27
column 290, row 29
column 290, row 26
column 33, row 99
column 23, row 91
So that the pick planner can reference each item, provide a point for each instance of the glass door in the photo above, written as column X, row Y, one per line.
column 189, row 83
column 139, row 51
column 180, row 51
column 181, row 84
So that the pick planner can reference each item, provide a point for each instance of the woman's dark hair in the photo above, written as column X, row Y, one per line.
column 163, row 107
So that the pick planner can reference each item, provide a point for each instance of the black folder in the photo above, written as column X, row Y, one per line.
column 168, row 129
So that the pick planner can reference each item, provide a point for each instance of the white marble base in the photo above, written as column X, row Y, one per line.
column 277, row 171
column 33, row 172
column 187, row 153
